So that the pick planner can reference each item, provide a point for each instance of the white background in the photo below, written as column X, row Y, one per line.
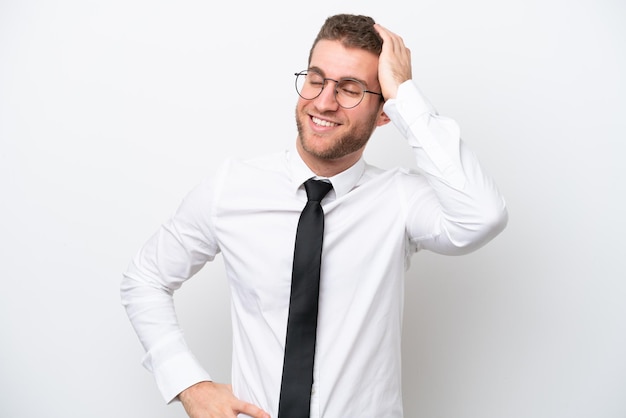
column 111, row 111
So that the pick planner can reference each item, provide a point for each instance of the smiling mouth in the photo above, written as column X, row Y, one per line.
column 321, row 122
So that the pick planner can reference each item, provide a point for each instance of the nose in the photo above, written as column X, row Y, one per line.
column 327, row 100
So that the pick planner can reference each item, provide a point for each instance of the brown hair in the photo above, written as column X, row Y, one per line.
column 354, row 31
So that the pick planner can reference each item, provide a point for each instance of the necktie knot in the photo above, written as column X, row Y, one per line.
column 317, row 189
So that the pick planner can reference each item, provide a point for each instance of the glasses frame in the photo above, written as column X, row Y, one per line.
column 325, row 79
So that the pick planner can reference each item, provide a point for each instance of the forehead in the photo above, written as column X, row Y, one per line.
column 337, row 61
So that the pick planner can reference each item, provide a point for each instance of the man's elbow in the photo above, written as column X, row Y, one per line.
column 470, row 236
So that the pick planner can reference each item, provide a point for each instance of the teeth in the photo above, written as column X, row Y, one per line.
column 321, row 122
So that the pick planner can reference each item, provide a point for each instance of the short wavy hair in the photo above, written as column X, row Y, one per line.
column 354, row 31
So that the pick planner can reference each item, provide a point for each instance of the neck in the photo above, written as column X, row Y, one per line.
column 328, row 167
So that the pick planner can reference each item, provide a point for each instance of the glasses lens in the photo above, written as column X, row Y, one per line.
column 309, row 84
column 349, row 93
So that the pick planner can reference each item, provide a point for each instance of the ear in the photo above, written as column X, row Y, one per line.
column 382, row 119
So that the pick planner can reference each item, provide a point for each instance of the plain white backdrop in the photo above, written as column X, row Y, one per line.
column 111, row 111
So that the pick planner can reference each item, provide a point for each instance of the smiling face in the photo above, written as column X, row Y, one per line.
column 331, row 138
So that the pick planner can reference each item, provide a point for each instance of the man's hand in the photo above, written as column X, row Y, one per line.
column 214, row 400
column 394, row 63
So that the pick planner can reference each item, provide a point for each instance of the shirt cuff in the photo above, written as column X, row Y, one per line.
column 436, row 138
column 174, row 367
column 409, row 106
column 178, row 374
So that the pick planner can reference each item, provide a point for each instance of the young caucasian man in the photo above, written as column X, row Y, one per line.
column 358, row 78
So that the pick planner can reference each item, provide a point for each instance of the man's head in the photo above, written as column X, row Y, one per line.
column 331, row 138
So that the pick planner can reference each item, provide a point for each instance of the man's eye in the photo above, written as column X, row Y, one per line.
column 351, row 90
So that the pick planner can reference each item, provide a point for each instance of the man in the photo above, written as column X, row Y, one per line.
column 359, row 77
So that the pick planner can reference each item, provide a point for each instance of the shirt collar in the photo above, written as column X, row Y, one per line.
column 342, row 182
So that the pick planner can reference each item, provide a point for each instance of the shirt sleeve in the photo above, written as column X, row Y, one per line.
column 179, row 249
column 463, row 209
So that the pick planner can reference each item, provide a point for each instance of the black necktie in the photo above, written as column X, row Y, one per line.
column 295, row 392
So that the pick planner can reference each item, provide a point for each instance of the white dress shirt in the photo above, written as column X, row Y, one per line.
column 374, row 221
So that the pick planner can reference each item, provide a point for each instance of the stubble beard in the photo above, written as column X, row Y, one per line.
column 345, row 144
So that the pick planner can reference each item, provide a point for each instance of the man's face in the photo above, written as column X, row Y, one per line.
column 326, row 131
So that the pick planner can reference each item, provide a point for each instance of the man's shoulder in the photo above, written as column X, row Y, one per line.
column 396, row 173
column 266, row 162
column 242, row 172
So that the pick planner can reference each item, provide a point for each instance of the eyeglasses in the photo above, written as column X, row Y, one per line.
column 348, row 91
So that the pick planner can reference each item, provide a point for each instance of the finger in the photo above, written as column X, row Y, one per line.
column 381, row 30
column 252, row 410
column 394, row 43
column 391, row 39
column 385, row 34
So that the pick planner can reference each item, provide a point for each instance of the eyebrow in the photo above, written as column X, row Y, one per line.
column 319, row 70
